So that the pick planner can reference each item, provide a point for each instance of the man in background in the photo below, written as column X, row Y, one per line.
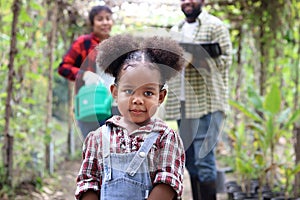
column 198, row 99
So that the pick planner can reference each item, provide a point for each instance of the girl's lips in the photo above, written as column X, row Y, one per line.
column 137, row 111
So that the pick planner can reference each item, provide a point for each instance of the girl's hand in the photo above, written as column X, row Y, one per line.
column 162, row 191
column 90, row 195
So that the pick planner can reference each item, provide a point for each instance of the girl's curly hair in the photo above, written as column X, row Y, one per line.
column 122, row 49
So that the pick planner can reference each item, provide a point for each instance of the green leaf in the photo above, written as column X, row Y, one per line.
column 254, row 98
column 244, row 109
column 5, row 37
column 295, row 117
column 259, row 159
column 240, row 165
column 24, row 16
column 296, row 170
column 283, row 116
column 270, row 130
column 273, row 100
column 257, row 127
column 35, row 5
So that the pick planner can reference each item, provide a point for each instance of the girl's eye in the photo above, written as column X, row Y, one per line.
column 128, row 91
column 148, row 93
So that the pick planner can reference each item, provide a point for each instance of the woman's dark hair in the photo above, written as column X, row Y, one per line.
column 118, row 50
column 95, row 10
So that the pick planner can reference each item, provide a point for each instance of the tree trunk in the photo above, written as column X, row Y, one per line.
column 263, row 50
column 239, row 70
column 52, row 16
column 297, row 125
column 297, row 160
column 8, row 143
column 239, row 65
column 71, row 147
column 71, row 21
column 70, row 119
column 263, row 64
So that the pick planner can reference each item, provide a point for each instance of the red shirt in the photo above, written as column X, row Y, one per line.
column 79, row 58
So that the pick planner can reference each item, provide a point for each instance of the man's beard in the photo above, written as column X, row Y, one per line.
column 194, row 14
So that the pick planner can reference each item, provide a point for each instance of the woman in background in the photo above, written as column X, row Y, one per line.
column 79, row 64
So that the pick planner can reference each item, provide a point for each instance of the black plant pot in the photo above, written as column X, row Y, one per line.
column 230, row 183
column 231, row 189
column 279, row 198
column 234, row 192
column 239, row 195
column 254, row 186
column 267, row 195
column 244, row 196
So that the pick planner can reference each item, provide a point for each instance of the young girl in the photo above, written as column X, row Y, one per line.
column 134, row 156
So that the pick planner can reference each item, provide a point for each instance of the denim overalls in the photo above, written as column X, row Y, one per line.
column 126, row 176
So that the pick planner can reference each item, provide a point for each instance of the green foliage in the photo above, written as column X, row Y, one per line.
column 27, row 120
column 2, row 174
column 268, row 34
column 266, row 129
column 243, row 159
column 272, row 101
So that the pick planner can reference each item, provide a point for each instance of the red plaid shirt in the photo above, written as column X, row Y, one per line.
column 166, row 158
column 79, row 58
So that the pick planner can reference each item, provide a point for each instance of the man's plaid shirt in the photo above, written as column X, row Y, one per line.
column 206, row 91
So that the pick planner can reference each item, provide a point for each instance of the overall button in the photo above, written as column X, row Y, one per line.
column 142, row 154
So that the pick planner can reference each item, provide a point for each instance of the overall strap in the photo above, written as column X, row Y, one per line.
column 141, row 154
column 106, row 152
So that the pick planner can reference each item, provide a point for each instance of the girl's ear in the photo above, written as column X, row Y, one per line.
column 162, row 95
column 114, row 91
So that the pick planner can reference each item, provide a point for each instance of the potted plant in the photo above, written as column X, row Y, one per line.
column 266, row 122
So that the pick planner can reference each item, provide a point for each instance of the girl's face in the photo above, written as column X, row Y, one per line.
column 138, row 93
column 103, row 23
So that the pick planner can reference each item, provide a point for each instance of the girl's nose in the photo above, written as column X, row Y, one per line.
column 136, row 99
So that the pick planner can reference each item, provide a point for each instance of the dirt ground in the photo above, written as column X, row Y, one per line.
column 59, row 187
column 62, row 186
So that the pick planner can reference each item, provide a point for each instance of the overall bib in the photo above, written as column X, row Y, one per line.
column 126, row 176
